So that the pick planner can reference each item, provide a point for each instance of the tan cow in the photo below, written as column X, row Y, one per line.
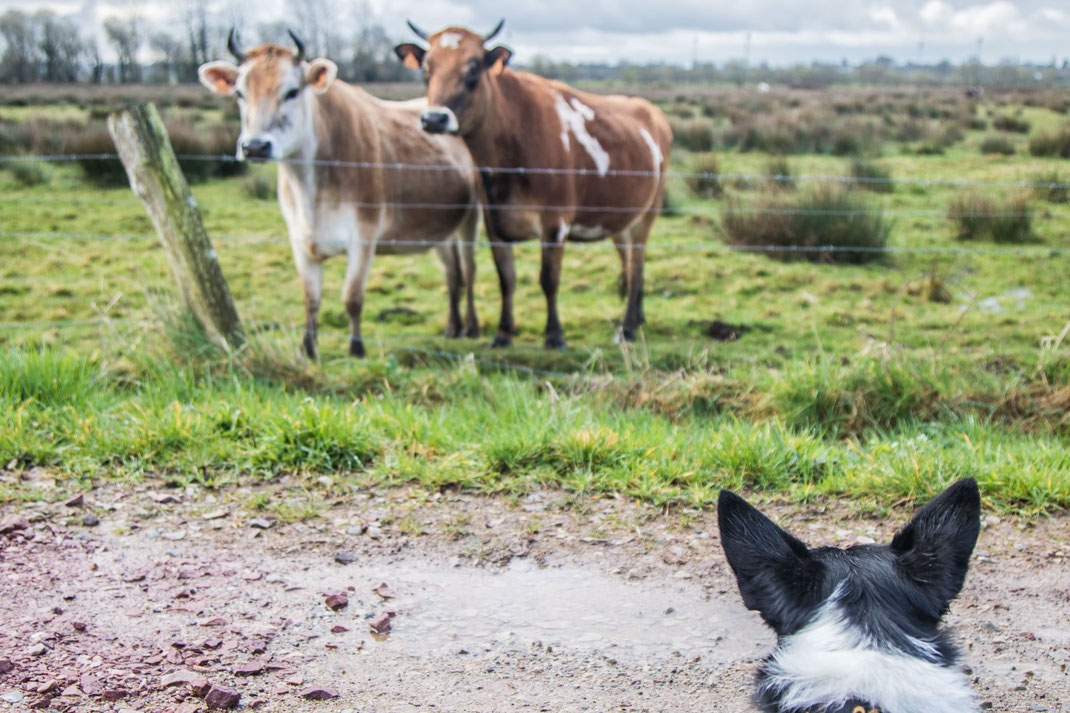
column 333, row 142
column 594, row 165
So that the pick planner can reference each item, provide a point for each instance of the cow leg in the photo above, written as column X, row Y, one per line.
column 633, row 313
column 506, row 266
column 358, row 266
column 468, row 235
column 312, row 284
column 622, row 281
column 448, row 254
column 550, row 279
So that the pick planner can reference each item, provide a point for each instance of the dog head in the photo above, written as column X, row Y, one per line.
column 857, row 628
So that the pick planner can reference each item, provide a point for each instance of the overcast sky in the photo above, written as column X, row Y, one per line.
column 678, row 31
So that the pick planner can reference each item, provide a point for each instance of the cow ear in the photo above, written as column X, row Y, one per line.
column 497, row 58
column 934, row 549
column 412, row 56
column 220, row 77
column 320, row 74
column 776, row 573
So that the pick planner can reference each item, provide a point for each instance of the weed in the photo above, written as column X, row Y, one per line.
column 1052, row 145
column 997, row 144
column 781, row 177
column 871, row 177
column 30, row 173
column 1012, row 124
column 806, row 227
column 979, row 218
column 1052, row 186
column 704, row 181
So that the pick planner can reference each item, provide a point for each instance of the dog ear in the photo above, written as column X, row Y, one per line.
column 934, row 549
column 777, row 576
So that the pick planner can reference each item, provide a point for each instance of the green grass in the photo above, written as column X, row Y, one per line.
column 858, row 380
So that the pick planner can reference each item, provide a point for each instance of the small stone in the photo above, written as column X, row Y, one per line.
column 195, row 681
column 261, row 523
column 75, row 501
column 37, row 650
column 338, row 629
column 163, row 498
column 345, row 558
column 47, row 686
column 316, row 693
column 380, row 624
column 115, row 694
column 13, row 697
column 865, row 540
column 383, row 590
column 13, row 523
column 249, row 668
column 78, row 625
column 71, row 691
column 222, row 697
column 6, row 666
column 214, row 621
column 90, row 520
column 186, row 708
column 41, row 703
column 337, row 601
column 214, row 515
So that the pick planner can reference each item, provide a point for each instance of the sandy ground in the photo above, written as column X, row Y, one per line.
column 544, row 603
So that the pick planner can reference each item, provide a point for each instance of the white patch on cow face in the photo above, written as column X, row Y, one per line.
column 655, row 150
column 452, row 126
column 284, row 121
column 449, row 40
column 574, row 117
column 827, row 663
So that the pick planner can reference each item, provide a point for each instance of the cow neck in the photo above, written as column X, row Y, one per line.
column 341, row 105
column 486, row 139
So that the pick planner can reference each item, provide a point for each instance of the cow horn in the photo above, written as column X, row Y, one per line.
column 419, row 33
column 300, row 47
column 232, row 45
column 495, row 31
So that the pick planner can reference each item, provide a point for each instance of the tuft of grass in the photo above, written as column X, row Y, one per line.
column 704, row 181
column 1051, row 186
column 30, row 173
column 1051, row 145
column 781, row 176
column 318, row 438
column 979, row 218
column 997, row 144
column 871, row 177
column 692, row 134
column 1012, row 124
column 827, row 225
column 47, row 378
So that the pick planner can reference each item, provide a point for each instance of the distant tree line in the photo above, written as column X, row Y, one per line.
column 46, row 47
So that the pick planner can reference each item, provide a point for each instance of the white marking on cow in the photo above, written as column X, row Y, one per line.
column 449, row 40
column 584, row 232
column 827, row 661
column 655, row 150
column 574, row 120
column 562, row 231
column 452, row 126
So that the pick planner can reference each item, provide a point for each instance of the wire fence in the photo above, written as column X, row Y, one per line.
column 396, row 344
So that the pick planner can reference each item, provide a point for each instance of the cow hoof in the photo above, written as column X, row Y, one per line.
column 628, row 335
column 471, row 332
column 500, row 341
column 356, row 348
column 555, row 342
column 452, row 332
column 309, row 345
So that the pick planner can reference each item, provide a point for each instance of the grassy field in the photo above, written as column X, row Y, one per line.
column 881, row 380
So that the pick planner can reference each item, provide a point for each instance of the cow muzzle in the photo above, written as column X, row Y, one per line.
column 256, row 148
column 439, row 120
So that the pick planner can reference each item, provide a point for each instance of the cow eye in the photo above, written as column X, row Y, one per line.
column 292, row 94
column 471, row 78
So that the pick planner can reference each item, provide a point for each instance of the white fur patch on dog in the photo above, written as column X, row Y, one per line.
column 827, row 663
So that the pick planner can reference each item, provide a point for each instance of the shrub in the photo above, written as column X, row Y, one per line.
column 871, row 177
column 979, row 218
column 1051, row 145
column 30, row 173
column 704, row 181
column 1052, row 187
column 692, row 134
column 261, row 183
column 820, row 226
column 1012, row 124
column 780, row 176
column 996, row 144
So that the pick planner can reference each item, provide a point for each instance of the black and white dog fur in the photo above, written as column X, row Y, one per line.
column 858, row 629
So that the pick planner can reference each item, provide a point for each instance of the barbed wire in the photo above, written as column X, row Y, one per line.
column 520, row 170
column 700, row 247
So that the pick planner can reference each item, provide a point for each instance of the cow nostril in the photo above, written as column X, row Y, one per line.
column 257, row 148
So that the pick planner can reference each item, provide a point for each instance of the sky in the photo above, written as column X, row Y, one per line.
column 780, row 32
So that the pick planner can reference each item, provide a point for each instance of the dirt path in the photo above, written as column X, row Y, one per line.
column 541, row 604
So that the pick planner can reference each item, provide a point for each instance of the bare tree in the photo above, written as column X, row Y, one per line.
column 125, row 36
column 20, row 60
column 315, row 22
column 60, row 46
column 175, row 60
column 195, row 19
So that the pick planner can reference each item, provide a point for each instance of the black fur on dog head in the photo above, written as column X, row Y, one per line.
column 893, row 596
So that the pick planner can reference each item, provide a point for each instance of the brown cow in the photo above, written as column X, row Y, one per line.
column 333, row 141
column 575, row 165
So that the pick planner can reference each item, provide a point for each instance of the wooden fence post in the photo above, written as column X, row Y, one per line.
column 157, row 179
